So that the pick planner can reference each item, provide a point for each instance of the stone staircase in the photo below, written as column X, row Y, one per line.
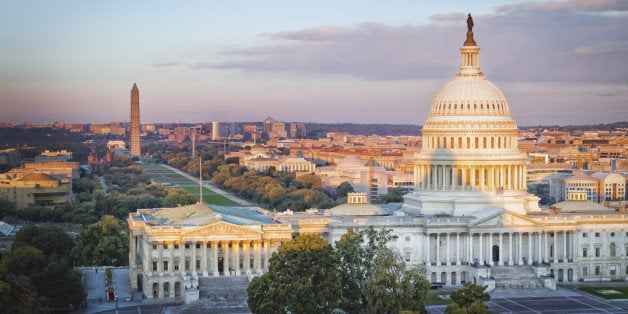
column 516, row 279
column 225, row 294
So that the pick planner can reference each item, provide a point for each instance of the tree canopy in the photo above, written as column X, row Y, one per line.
column 302, row 278
column 469, row 299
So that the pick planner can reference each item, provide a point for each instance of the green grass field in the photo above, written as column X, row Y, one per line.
column 607, row 292
column 162, row 175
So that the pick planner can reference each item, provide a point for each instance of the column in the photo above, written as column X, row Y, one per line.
column 182, row 257
column 482, row 178
column 545, row 247
column 519, row 250
column 226, row 266
column 236, row 257
column 444, row 177
column 171, row 262
column 427, row 251
column 438, row 249
column 540, row 245
column 530, row 259
column 470, row 253
column 511, row 260
column 447, row 261
column 434, row 177
column 555, row 251
column 565, row 247
column 215, row 257
column 491, row 178
column 463, row 181
column 160, row 260
column 481, row 255
column 454, row 178
column 132, row 252
column 267, row 253
column 473, row 178
column 257, row 246
column 490, row 248
column 457, row 248
column 204, row 261
column 501, row 250
column 193, row 261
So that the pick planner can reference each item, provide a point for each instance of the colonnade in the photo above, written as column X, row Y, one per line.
column 217, row 257
column 498, row 248
column 463, row 178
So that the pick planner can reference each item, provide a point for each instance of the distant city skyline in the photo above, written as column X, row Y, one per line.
column 557, row 62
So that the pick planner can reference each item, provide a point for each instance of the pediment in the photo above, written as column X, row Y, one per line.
column 505, row 219
column 221, row 228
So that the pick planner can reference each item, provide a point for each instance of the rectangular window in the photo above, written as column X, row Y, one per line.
column 408, row 255
column 165, row 246
column 407, row 238
column 176, row 266
column 584, row 235
column 187, row 245
column 597, row 234
column 154, row 246
column 198, row 264
column 165, row 265
column 597, row 251
column 198, row 245
column 154, row 266
column 585, row 271
column 584, row 252
column 187, row 264
column 176, row 246
column 597, row 270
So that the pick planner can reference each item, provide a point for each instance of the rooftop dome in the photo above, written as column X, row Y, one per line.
column 469, row 96
column 37, row 177
column 350, row 161
column 356, row 206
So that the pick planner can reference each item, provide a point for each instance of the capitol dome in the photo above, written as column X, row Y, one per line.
column 469, row 158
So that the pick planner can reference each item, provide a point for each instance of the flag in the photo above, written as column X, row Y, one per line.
column 500, row 191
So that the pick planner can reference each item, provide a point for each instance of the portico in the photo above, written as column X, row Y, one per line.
column 171, row 248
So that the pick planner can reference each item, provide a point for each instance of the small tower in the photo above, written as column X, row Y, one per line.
column 135, row 121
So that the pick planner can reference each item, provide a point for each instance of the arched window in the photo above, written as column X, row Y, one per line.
column 484, row 142
column 477, row 143
column 468, row 142
column 613, row 250
column 459, row 142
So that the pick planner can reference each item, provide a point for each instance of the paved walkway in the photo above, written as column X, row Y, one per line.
column 565, row 300
column 210, row 187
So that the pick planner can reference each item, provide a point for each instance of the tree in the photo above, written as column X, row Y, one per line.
column 50, row 240
column 23, row 261
column 394, row 287
column 374, row 279
column 17, row 296
column 302, row 278
column 309, row 181
column 102, row 243
column 60, row 285
column 469, row 299
column 344, row 188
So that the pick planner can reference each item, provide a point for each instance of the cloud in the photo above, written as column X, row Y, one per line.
column 312, row 34
column 455, row 17
column 572, row 6
column 603, row 47
column 165, row 64
column 516, row 46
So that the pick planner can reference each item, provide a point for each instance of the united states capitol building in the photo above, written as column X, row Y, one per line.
column 469, row 218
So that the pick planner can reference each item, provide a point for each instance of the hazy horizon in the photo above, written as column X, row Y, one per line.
column 557, row 62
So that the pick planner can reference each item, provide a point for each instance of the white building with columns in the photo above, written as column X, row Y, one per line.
column 170, row 248
column 468, row 219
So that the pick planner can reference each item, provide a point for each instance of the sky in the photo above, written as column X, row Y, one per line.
column 359, row 61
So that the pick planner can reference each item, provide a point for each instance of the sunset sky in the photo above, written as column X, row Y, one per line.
column 361, row 61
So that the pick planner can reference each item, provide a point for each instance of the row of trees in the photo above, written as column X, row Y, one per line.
column 36, row 275
column 359, row 274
